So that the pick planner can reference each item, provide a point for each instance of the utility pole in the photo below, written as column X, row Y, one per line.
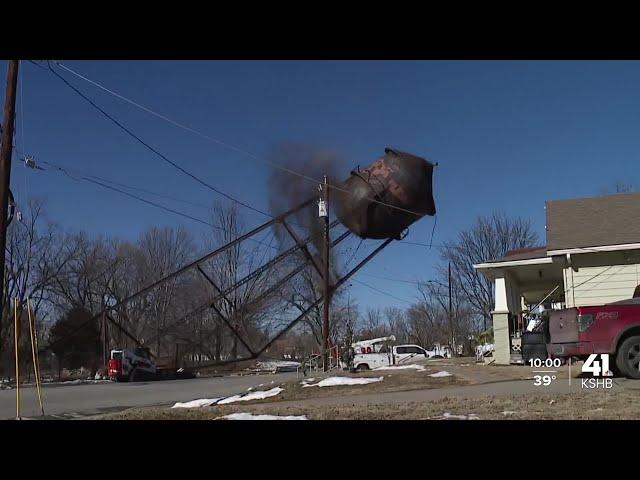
column 349, row 334
column 105, row 343
column 324, row 213
column 453, row 338
column 5, row 165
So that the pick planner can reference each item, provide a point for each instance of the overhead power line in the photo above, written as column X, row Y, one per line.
column 148, row 202
column 220, row 142
column 411, row 282
column 383, row 292
column 110, row 181
column 154, row 150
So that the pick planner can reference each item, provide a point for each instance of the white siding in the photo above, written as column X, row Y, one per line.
column 600, row 285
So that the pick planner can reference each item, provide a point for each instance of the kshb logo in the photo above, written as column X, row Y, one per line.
column 597, row 369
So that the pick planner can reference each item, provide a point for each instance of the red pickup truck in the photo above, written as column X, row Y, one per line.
column 613, row 328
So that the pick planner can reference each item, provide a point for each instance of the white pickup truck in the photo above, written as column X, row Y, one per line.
column 379, row 352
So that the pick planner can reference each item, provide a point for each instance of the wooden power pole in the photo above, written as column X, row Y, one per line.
column 453, row 335
column 324, row 212
column 5, row 165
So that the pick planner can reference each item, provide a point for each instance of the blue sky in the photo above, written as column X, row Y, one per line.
column 507, row 136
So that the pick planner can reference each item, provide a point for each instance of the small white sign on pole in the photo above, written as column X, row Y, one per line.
column 322, row 208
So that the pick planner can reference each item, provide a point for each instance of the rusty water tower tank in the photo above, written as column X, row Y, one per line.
column 398, row 179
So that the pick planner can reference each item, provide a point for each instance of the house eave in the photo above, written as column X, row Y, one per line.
column 595, row 249
column 513, row 263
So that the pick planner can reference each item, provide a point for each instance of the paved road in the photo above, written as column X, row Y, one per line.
column 69, row 401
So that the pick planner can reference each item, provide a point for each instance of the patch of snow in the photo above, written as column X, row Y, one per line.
column 203, row 402
column 449, row 416
column 250, row 416
column 335, row 381
column 508, row 412
column 75, row 382
column 275, row 365
column 259, row 395
column 440, row 374
column 401, row 367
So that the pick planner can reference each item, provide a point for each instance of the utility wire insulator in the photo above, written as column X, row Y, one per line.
column 31, row 163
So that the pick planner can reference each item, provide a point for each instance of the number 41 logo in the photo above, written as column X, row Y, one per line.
column 593, row 366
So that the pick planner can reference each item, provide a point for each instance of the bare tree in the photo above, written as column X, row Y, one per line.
column 83, row 280
column 134, row 266
column 490, row 238
column 373, row 323
column 251, row 307
column 622, row 187
column 34, row 258
column 444, row 326
column 163, row 252
column 619, row 186
column 397, row 323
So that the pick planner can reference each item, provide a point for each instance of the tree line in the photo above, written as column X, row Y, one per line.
column 70, row 277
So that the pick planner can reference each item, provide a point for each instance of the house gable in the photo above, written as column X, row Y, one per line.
column 607, row 221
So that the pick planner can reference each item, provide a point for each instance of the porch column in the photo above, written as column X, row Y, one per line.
column 500, row 315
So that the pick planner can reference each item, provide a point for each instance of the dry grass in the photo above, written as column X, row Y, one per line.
column 476, row 373
column 578, row 406
column 394, row 381
column 583, row 406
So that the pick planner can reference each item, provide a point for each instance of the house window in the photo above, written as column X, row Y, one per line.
column 417, row 350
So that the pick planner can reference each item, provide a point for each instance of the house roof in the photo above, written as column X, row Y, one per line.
column 593, row 221
column 522, row 256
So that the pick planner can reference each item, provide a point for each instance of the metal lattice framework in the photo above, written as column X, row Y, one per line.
column 220, row 294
